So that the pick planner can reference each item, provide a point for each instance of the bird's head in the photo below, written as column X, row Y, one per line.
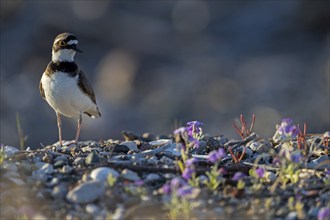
column 65, row 47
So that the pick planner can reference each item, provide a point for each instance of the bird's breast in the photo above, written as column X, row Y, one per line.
column 63, row 94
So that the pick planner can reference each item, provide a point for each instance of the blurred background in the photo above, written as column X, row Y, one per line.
column 155, row 65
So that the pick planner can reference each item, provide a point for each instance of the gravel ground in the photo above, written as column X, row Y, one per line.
column 161, row 177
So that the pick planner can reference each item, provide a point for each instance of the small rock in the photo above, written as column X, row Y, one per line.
column 86, row 192
column 253, row 145
column 39, row 164
column 17, row 181
column 129, row 175
column 319, row 163
column 270, row 176
column 129, row 136
column 66, row 169
column 92, row 158
column 212, row 144
column 9, row 151
column 10, row 167
column 62, row 157
column 292, row 216
column 47, row 158
column 148, row 136
column 53, row 182
column 264, row 147
column 59, row 191
column 79, row 161
column 47, row 168
column 131, row 145
column 117, row 148
column 101, row 173
column 92, row 209
column 159, row 142
column 59, row 163
column 165, row 160
column 152, row 177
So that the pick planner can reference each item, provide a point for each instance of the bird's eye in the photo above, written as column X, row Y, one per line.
column 62, row 43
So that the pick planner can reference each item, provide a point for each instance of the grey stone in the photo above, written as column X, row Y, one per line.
column 17, row 181
column 101, row 173
column 92, row 158
column 152, row 177
column 159, row 142
column 59, row 163
column 67, row 169
column 9, row 151
column 47, row 168
column 59, row 191
column 319, row 162
column 62, row 157
column 92, row 209
column 79, row 161
column 86, row 192
column 131, row 145
column 129, row 175
column 264, row 148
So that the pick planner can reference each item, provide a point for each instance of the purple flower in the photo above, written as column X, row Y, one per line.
column 187, row 173
column 216, row 155
column 184, row 191
column 238, row 175
column 139, row 182
column 287, row 129
column 194, row 127
column 176, row 182
column 190, row 162
column 323, row 214
column 222, row 170
column 166, row 188
column 180, row 130
column 260, row 172
column 296, row 157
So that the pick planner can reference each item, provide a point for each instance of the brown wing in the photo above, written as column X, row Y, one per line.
column 41, row 89
column 85, row 86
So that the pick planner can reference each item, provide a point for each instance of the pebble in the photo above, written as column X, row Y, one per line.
column 92, row 158
column 131, row 145
column 79, row 161
column 59, row 191
column 17, row 181
column 101, row 173
column 129, row 175
column 118, row 148
column 59, row 163
column 159, row 142
column 66, row 169
column 86, row 192
column 47, row 168
column 319, row 163
column 152, row 177
column 9, row 151
column 92, row 209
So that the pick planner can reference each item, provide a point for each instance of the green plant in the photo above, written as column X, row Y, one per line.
column 178, row 207
column 21, row 137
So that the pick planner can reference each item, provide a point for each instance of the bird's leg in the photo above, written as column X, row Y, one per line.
column 59, row 125
column 78, row 127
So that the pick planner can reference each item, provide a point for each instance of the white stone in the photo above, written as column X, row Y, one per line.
column 87, row 192
column 129, row 175
column 159, row 142
column 101, row 173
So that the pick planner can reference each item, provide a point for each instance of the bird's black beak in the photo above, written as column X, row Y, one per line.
column 75, row 48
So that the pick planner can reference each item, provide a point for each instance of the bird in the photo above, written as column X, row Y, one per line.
column 65, row 86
